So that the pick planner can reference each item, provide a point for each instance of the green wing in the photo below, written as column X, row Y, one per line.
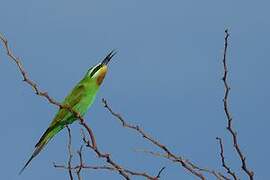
column 63, row 116
column 71, row 100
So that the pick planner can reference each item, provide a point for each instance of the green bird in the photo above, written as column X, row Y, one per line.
column 80, row 99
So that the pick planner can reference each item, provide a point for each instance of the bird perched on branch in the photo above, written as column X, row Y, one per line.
column 79, row 99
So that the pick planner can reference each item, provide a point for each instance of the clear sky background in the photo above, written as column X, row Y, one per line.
column 166, row 78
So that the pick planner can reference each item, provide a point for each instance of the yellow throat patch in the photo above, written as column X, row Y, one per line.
column 101, row 74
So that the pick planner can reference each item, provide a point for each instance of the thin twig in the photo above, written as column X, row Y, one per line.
column 81, row 163
column 110, row 168
column 228, row 169
column 69, row 153
column 233, row 133
column 218, row 175
column 153, row 141
column 115, row 166
column 159, row 173
column 106, row 167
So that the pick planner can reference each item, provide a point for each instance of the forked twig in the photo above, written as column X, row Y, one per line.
column 228, row 169
column 233, row 133
column 170, row 155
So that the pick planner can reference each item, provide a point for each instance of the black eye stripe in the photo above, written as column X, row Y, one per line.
column 95, row 70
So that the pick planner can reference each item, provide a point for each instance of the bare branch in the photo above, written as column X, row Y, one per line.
column 226, row 109
column 115, row 166
column 159, row 173
column 81, row 166
column 229, row 171
column 218, row 175
column 110, row 168
column 81, row 163
column 69, row 153
column 170, row 155
column 106, row 167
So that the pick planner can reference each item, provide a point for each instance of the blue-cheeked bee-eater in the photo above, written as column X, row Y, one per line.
column 79, row 99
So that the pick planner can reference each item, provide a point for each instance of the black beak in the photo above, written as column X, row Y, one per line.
column 108, row 57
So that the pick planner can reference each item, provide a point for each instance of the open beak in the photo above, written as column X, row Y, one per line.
column 108, row 57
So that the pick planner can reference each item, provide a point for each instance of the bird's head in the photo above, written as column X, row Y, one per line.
column 99, row 71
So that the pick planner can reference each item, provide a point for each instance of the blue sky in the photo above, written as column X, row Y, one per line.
column 166, row 78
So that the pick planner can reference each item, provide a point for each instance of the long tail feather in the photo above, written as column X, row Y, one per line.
column 26, row 165
column 35, row 153
column 46, row 137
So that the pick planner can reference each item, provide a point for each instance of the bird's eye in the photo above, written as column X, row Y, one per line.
column 90, row 70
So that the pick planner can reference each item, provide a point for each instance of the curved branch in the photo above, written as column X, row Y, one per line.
column 170, row 155
column 233, row 133
column 228, row 169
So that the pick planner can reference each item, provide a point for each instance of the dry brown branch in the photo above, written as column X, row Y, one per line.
column 84, row 167
column 110, row 168
column 81, row 166
column 69, row 153
column 218, row 175
column 170, row 155
column 115, row 166
column 233, row 133
column 227, row 168
column 81, row 163
column 159, row 173
column 93, row 144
